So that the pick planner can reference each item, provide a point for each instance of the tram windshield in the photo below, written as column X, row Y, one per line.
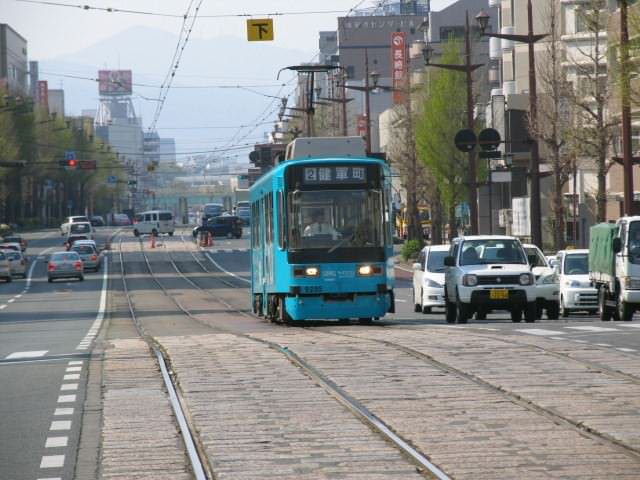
column 335, row 219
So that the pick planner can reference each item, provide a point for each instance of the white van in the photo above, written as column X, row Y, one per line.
column 154, row 222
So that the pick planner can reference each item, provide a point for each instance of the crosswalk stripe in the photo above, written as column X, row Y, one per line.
column 593, row 329
column 540, row 331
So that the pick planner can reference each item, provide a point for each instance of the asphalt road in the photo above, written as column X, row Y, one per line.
column 43, row 357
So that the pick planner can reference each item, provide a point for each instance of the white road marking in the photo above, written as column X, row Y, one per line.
column 50, row 478
column 97, row 323
column 400, row 301
column 487, row 328
column 602, row 344
column 215, row 264
column 556, row 338
column 72, row 376
column 30, row 354
column 594, row 329
column 76, row 362
column 55, row 442
column 63, row 411
column 540, row 331
column 18, row 296
column 60, row 425
column 632, row 325
column 69, row 386
column 52, row 461
column 579, row 341
column 2, row 307
column 627, row 349
column 66, row 398
column 73, row 369
column 11, row 300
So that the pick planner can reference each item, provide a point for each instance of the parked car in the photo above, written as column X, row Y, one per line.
column 89, row 255
column 73, row 238
column 97, row 221
column 577, row 291
column 5, row 267
column 244, row 214
column 16, row 239
column 65, row 265
column 154, row 222
column 17, row 263
column 64, row 228
column 547, row 285
column 485, row 273
column 224, row 226
column 428, row 278
column 121, row 220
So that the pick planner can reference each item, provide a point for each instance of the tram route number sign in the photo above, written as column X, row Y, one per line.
column 334, row 175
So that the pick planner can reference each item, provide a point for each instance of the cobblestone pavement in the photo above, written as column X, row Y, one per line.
column 139, row 436
column 467, row 430
column 258, row 416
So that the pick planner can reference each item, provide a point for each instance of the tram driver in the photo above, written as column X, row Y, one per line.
column 319, row 226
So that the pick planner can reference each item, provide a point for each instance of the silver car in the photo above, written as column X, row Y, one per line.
column 65, row 265
column 5, row 268
column 88, row 253
column 17, row 263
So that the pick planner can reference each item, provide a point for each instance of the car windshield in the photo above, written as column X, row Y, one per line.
column 576, row 264
column 213, row 210
column 539, row 261
column 80, row 227
column 484, row 252
column 243, row 211
column 13, row 256
column 165, row 216
column 634, row 242
column 2, row 256
column 65, row 257
column 335, row 219
column 12, row 239
column 79, row 219
column 435, row 262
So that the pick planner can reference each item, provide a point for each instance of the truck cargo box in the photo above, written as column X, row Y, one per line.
column 601, row 254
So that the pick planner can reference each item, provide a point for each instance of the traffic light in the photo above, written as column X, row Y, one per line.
column 69, row 164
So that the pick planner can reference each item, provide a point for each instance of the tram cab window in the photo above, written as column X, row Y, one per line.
column 335, row 218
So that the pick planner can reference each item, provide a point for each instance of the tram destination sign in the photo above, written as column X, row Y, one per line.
column 333, row 175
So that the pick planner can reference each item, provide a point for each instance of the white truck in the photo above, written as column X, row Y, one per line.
column 614, row 267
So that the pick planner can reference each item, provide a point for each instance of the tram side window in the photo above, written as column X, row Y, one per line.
column 254, row 224
column 281, row 225
column 268, row 219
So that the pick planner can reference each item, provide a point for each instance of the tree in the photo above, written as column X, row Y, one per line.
column 591, row 95
column 442, row 114
column 553, row 123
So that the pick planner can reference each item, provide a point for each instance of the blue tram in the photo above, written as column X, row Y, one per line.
column 321, row 240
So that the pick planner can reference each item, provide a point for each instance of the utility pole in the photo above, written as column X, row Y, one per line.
column 627, row 160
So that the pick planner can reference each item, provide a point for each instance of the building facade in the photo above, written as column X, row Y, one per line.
column 14, row 65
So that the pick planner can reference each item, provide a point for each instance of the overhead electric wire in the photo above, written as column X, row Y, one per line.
column 176, row 15
column 175, row 62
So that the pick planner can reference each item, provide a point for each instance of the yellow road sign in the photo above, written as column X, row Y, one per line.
column 260, row 29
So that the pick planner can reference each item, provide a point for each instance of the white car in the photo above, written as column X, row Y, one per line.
column 5, row 267
column 547, row 286
column 81, row 228
column 577, row 292
column 428, row 278
column 154, row 222
column 64, row 228
column 17, row 263
column 485, row 273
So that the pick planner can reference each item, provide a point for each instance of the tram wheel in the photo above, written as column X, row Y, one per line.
column 365, row 321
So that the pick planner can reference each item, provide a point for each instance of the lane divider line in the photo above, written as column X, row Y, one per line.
column 97, row 323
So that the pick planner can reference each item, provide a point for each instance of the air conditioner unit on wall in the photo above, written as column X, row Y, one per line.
column 505, row 217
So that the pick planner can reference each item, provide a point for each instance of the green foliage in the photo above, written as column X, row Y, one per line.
column 410, row 249
column 442, row 114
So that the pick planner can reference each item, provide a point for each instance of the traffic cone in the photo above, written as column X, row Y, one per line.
column 153, row 241
column 209, row 239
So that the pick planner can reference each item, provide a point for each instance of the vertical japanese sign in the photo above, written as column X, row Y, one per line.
column 398, row 65
column 43, row 94
column 362, row 125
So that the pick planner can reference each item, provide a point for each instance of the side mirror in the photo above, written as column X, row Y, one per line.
column 617, row 245
column 417, row 266
column 449, row 262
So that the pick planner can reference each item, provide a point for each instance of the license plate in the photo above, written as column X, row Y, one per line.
column 499, row 294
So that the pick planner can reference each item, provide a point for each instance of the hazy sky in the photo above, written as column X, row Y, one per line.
column 53, row 31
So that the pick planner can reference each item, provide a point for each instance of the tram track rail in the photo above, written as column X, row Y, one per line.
column 197, row 460
column 546, row 413
column 413, row 454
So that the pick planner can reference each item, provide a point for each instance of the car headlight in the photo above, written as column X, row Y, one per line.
column 431, row 283
column 470, row 280
column 572, row 283
column 525, row 279
column 548, row 279
column 632, row 283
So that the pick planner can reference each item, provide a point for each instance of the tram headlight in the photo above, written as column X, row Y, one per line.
column 368, row 270
column 311, row 272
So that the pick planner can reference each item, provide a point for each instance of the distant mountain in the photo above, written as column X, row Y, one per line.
column 217, row 61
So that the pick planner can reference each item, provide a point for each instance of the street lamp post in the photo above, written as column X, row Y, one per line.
column 468, row 68
column 534, row 163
